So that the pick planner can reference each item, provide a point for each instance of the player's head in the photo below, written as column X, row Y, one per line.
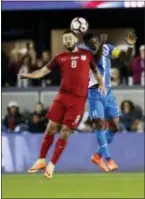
column 69, row 40
column 91, row 41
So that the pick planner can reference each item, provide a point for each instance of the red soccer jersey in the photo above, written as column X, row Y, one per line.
column 74, row 69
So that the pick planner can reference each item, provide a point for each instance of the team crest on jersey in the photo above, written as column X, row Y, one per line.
column 83, row 57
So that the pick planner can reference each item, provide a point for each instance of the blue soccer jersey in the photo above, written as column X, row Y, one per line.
column 104, row 66
column 103, row 106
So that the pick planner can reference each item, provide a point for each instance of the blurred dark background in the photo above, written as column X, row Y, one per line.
column 37, row 25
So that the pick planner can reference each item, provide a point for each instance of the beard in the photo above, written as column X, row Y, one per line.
column 70, row 48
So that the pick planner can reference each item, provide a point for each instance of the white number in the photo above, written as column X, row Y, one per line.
column 73, row 63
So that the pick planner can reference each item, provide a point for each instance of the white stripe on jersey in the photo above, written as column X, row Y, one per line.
column 105, row 54
column 92, row 80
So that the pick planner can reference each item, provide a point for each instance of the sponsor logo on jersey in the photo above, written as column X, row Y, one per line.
column 64, row 58
column 74, row 58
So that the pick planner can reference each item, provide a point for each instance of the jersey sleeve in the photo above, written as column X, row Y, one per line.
column 52, row 63
column 113, row 51
column 84, row 47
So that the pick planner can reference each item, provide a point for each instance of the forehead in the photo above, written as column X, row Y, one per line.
column 95, row 39
column 68, row 35
column 126, row 103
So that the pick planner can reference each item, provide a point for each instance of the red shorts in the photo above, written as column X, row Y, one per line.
column 67, row 109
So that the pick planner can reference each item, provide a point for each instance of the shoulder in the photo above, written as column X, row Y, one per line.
column 59, row 55
column 109, row 49
column 83, row 47
column 86, row 52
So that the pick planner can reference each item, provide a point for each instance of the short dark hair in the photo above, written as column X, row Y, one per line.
column 88, row 36
column 69, row 31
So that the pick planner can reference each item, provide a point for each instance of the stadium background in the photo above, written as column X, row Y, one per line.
column 42, row 25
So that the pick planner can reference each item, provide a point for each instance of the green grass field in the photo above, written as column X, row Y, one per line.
column 111, row 185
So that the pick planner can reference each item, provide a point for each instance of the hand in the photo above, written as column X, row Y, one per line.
column 131, row 38
column 24, row 76
column 102, row 89
column 103, row 38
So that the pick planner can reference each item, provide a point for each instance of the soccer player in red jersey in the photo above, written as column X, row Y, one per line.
column 68, row 106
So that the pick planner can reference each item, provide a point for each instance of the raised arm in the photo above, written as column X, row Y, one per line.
column 41, row 72
column 102, row 40
column 126, row 55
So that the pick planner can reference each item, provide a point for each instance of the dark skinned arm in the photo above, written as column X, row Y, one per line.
column 123, row 55
column 103, row 39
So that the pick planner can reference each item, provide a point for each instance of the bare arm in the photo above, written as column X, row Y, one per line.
column 122, row 55
column 39, row 73
column 96, row 73
column 127, row 55
column 36, row 74
column 103, row 40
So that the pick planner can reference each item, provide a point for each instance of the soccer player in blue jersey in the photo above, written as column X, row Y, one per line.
column 104, row 107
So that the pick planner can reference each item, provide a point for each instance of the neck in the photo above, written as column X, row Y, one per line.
column 74, row 50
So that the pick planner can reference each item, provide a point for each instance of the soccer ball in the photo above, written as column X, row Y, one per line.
column 79, row 25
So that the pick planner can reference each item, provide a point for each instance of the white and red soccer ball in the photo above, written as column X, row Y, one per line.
column 79, row 25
